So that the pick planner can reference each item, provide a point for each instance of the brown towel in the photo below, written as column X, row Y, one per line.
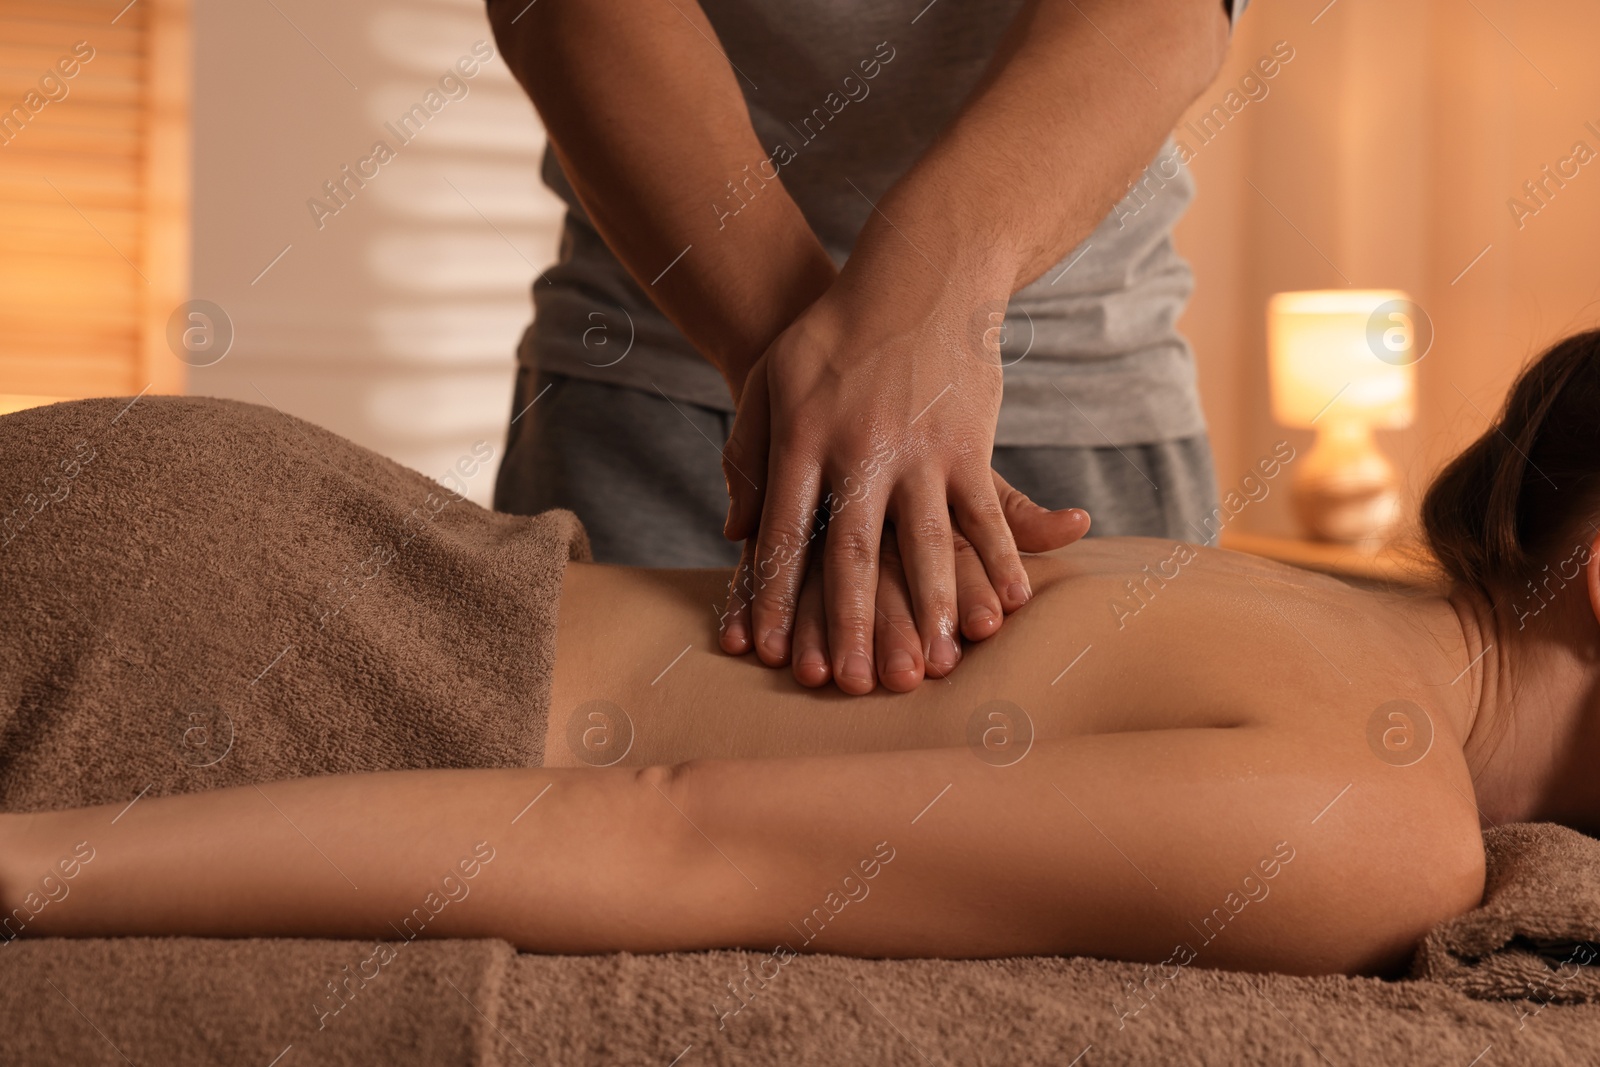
column 1537, row 934
column 180, row 1001
column 201, row 593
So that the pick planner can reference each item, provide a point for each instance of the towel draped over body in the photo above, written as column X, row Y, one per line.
column 203, row 593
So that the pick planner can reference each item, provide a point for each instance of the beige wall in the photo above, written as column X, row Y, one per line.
column 396, row 323
column 1383, row 156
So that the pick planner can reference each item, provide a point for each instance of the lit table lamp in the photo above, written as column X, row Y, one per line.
column 1343, row 363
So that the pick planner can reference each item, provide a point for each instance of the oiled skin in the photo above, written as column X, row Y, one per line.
column 1265, row 677
column 1230, row 640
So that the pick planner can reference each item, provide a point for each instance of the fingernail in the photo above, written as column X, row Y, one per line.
column 735, row 631
column 899, row 662
column 1077, row 514
column 772, row 641
column 813, row 657
column 978, row 617
column 944, row 653
column 1017, row 593
column 856, row 668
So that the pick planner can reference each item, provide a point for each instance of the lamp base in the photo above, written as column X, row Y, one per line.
column 1345, row 490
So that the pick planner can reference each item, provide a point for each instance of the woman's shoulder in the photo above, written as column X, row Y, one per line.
column 1400, row 842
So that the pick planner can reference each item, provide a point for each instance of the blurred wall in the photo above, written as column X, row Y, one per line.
column 395, row 320
column 1384, row 155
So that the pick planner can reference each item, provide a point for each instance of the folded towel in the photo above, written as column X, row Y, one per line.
column 185, row 1001
column 202, row 593
column 1537, row 934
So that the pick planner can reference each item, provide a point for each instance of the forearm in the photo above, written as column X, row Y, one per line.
column 959, row 858
column 720, row 854
column 730, row 853
column 1043, row 149
column 650, row 129
column 386, row 856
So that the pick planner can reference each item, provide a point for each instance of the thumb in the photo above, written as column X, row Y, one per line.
column 744, row 458
column 1034, row 527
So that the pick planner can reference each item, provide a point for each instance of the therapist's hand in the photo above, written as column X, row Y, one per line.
column 871, row 415
column 899, row 662
column 864, row 413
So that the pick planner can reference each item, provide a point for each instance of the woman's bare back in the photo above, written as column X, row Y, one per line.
column 1123, row 634
column 1153, row 751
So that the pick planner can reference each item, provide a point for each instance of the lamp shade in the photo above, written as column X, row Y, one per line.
column 1343, row 355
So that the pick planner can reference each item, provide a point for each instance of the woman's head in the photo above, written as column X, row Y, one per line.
column 1526, row 494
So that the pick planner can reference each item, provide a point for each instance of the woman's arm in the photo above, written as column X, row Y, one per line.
column 1121, row 846
column 549, row 859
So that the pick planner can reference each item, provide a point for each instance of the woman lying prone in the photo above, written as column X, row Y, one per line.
column 1169, row 748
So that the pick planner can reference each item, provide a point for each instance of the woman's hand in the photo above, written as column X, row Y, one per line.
column 901, row 662
column 862, row 417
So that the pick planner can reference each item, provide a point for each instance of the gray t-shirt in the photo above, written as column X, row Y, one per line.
column 846, row 97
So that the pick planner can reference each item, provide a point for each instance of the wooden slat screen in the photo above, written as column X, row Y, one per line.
column 93, row 194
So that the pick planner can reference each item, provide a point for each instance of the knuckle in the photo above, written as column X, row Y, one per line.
column 776, row 596
column 939, row 606
column 898, row 624
column 851, row 628
column 931, row 528
column 855, row 545
column 986, row 511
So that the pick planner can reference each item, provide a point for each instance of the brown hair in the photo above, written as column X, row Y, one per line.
column 1502, row 508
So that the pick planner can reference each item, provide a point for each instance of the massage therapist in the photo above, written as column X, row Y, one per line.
column 837, row 261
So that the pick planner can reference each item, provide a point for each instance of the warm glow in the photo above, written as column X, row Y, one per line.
column 1342, row 355
column 10, row 402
